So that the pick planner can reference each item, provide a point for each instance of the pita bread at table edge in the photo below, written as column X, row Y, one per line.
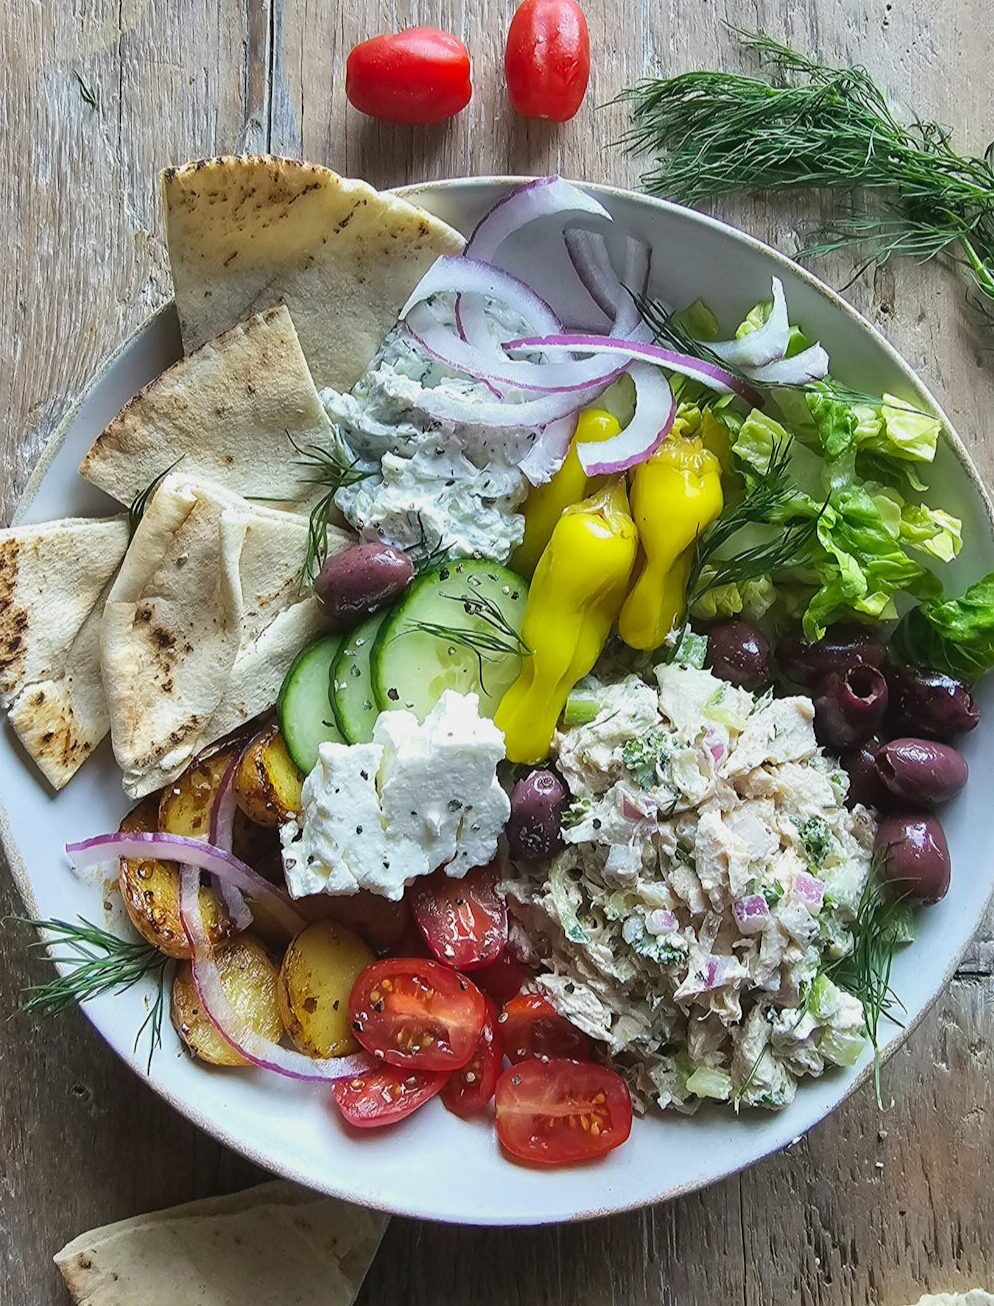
column 275, row 1243
column 53, row 579
column 201, row 625
column 246, row 232
column 231, row 411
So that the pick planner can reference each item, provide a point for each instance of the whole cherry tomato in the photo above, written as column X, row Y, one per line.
column 530, row 1026
column 384, row 1095
column 547, row 59
column 555, row 1112
column 464, row 922
column 503, row 979
column 416, row 76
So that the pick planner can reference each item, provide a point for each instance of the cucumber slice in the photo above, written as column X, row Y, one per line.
column 304, row 706
column 352, row 694
column 411, row 667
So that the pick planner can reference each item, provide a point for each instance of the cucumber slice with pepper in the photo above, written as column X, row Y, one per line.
column 457, row 627
column 352, row 694
column 303, row 708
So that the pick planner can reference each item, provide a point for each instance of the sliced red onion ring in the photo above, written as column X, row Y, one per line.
column 194, row 853
column 256, row 1049
column 440, row 342
column 547, row 454
column 589, row 255
column 763, row 345
column 655, row 409
column 810, row 364
column 444, row 406
column 221, row 835
column 469, row 276
column 752, row 913
column 716, row 378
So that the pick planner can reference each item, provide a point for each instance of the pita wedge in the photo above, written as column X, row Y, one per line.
column 249, row 232
column 201, row 624
column 274, row 1243
column 232, row 412
column 52, row 583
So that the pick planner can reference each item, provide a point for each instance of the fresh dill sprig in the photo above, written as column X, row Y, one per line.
column 100, row 963
column 809, row 125
column 333, row 467
column 865, row 970
column 141, row 500
column 492, row 638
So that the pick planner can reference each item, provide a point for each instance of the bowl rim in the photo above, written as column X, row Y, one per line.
column 412, row 191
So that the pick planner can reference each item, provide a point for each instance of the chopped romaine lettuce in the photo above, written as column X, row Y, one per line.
column 699, row 322
column 753, row 598
column 955, row 635
column 835, row 422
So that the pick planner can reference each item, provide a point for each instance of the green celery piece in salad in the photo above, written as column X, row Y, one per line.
column 840, row 1047
column 691, row 650
column 581, row 708
column 715, row 1084
column 952, row 635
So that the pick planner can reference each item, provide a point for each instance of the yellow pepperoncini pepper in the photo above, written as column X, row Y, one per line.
column 545, row 504
column 675, row 494
column 577, row 591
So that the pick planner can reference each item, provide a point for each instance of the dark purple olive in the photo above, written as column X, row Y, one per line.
column 921, row 772
column 534, row 830
column 913, row 856
column 929, row 703
column 739, row 653
column 850, row 707
column 359, row 580
column 807, row 663
column 865, row 785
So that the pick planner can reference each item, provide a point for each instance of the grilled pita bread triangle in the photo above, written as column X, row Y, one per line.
column 52, row 582
column 247, row 232
column 232, row 412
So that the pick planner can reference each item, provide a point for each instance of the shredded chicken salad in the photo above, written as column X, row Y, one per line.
column 711, row 869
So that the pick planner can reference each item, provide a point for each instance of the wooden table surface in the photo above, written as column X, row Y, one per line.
column 100, row 94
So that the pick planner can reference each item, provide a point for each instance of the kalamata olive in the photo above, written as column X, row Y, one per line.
column 913, row 857
column 865, row 785
column 850, row 706
column 921, row 772
column 361, row 579
column 534, row 830
column 929, row 703
column 739, row 653
column 807, row 663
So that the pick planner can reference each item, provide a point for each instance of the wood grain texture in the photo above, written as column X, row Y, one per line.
column 869, row 1208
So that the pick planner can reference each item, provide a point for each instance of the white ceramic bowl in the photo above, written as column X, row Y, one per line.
column 435, row 1165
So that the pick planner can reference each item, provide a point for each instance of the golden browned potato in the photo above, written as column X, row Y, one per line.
column 185, row 805
column 150, row 892
column 316, row 977
column 267, row 784
column 249, row 979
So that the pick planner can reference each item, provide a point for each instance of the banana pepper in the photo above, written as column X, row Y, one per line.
column 674, row 495
column 574, row 600
column 545, row 503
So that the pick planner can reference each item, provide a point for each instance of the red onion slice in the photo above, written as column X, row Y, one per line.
column 698, row 369
column 590, row 257
column 752, row 913
column 468, row 276
column 443, row 406
column 810, row 891
column 549, row 451
column 257, row 1050
column 763, row 345
column 193, row 853
column 810, row 364
column 221, row 835
column 655, row 409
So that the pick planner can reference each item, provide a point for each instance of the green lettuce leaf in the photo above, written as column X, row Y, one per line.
column 699, row 322
column 903, row 432
column 955, row 635
column 931, row 530
column 753, row 599
column 835, row 422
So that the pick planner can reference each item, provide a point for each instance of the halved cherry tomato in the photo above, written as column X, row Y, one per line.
column 416, row 76
column 503, row 979
column 464, row 921
column 555, row 1112
column 547, row 59
column 471, row 1088
column 384, row 1095
column 417, row 1014
column 530, row 1026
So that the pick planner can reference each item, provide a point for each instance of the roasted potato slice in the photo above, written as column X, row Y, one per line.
column 150, row 892
column 250, row 979
column 185, row 805
column 316, row 977
column 267, row 784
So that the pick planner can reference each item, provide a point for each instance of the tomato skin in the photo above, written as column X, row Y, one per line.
column 417, row 1014
column 531, row 1027
column 470, row 1089
column 384, row 1095
column 421, row 75
column 560, row 1111
column 503, row 979
column 547, row 59
column 464, row 922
